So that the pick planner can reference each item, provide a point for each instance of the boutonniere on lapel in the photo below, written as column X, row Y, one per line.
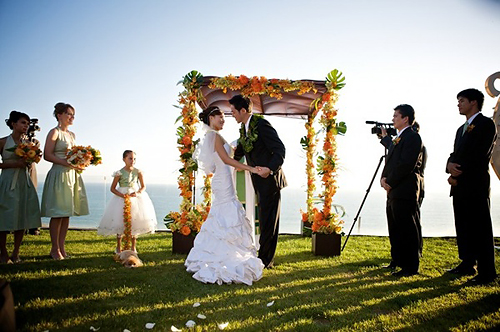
column 247, row 140
column 470, row 127
column 396, row 140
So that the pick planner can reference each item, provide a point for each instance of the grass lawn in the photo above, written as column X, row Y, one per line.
column 351, row 292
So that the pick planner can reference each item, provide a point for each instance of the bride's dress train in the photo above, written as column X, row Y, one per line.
column 224, row 251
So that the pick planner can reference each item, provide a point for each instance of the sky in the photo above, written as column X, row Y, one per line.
column 118, row 64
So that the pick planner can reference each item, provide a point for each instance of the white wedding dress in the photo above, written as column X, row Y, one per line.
column 224, row 251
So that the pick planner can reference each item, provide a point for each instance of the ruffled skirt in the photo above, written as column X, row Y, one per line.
column 224, row 251
column 142, row 212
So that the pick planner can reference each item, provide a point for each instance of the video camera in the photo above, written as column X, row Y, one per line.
column 32, row 129
column 377, row 129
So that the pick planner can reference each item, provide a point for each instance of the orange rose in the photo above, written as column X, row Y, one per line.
column 186, row 140
column 185, row 230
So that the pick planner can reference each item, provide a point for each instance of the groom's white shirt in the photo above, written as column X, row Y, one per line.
column 247, row 124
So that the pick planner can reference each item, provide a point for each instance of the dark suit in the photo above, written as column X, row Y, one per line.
column 387, row 143
column 268, row 151
column 471, row 196
column 401, row 173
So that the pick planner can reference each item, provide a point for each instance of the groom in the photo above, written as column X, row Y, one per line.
column 262, row 147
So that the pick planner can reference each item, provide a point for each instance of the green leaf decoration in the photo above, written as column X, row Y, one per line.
column 341, row 128
column 304, row 142
column 336, row 79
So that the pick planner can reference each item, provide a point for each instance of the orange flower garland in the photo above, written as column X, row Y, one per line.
column 127, row 223
column 260, row 85
column 191, row 217
column 326, row 221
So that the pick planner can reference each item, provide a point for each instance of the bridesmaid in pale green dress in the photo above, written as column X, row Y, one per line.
column 63, row 192
column 19, row 209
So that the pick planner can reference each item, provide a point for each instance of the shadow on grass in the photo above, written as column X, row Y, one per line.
column 315, row 293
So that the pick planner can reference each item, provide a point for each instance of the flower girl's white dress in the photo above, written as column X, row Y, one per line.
column 141, row 208
column 223, row 250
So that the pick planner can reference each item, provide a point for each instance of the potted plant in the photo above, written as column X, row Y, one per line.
column 185, row 226
column 327, row 231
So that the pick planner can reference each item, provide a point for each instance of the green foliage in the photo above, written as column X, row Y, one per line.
column 192, row 80
column 336, row 79
column 351, row 292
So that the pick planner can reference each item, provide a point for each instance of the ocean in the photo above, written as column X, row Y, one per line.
column 437, row 210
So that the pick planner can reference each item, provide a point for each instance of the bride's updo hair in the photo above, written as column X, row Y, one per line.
column 210, row 111
column 14, row 117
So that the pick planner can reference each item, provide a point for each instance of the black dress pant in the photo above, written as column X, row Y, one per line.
column 269, row 217
column 475, row 233
column 404, row 233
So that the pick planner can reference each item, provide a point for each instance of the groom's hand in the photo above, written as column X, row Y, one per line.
column 263, row 171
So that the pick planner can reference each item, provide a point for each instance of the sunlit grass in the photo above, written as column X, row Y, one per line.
column 310, row 293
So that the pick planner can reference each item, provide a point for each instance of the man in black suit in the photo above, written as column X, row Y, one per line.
column 262, row 148
column 468, row 167
column 400, row 179
column 387, row 142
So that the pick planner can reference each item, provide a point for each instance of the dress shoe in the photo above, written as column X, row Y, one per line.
column 404, row 273
column 466, row 271
column 270, row 266
column 391, row 266
column 483, row 280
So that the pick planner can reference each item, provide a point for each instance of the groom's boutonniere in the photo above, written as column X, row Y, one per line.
column 396, row 140
column 470, row 127
column 247, row 140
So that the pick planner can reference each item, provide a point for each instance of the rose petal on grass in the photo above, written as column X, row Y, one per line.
column 174, row 329
column 126, row 330
column 149, row 326
column 190, row 323
column 94, row 329
column 270, row 303
column 223, row 325
column 200, row 316
column 196, row 304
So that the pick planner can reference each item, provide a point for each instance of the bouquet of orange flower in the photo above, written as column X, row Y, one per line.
column 29, row 152
column 83, row 156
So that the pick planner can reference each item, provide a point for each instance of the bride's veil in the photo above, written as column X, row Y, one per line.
column 204, row 153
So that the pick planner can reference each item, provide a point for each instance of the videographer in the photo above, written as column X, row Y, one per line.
column 401, row 179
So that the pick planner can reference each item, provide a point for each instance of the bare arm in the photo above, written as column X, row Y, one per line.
column 141, row 182
column 113, row 187
column 48, row 152
column 219, row 148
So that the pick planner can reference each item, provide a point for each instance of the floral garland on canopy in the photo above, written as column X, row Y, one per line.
column 191, row 217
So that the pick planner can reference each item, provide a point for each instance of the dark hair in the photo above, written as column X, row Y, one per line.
column 210, row 111
column 126, row 152
column 14, row 117
column 415, row 127
column 471, row 95
column 406, row 111
column 61, row 108
column 240, row 102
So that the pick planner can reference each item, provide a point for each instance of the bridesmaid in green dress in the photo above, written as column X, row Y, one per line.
column 63, row 192
column 19, row 209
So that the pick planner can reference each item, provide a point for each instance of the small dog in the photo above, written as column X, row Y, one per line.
column 128, row 258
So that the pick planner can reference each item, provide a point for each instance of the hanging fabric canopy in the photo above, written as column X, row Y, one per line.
column 291, row 105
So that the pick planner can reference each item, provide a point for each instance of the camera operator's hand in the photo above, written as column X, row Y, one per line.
column 454, row 169
column 452, row 181
column 384, row 185
column 383, row 132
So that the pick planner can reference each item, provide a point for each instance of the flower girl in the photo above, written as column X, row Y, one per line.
column 130, row 211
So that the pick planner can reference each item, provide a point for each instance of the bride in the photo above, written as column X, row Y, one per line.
column 223, row 250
